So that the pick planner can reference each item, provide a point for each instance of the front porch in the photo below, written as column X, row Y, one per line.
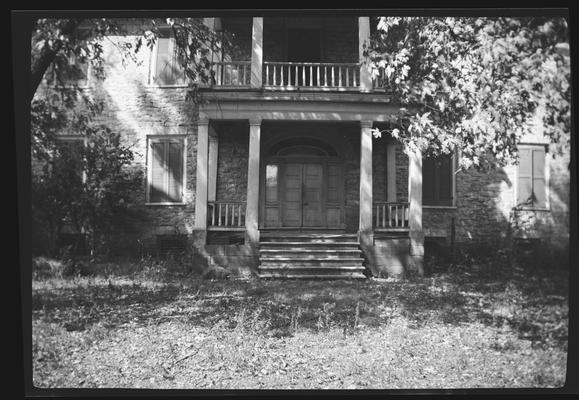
column 306, row 178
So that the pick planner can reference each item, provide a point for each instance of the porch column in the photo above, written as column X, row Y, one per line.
column 201, row 182
column 212, row 164
column 256, row 52
column 363, row 41
column 415, row 210
column 252, row 205
column 366, row 233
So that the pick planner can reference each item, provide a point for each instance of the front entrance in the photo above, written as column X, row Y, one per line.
column 302, row 195
column 303, row 187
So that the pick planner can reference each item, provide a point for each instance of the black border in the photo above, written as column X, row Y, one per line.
column 19, row 46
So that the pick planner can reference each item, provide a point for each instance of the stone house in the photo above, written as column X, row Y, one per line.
column 276, row 172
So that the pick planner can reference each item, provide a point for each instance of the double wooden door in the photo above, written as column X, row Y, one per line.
column 306, row 194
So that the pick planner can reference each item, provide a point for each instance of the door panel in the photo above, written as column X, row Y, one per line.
column 292, row 195
column 312, row 198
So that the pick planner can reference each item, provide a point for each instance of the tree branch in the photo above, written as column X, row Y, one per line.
column 47, row 55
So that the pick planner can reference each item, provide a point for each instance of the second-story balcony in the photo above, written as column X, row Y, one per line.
column 295, row 55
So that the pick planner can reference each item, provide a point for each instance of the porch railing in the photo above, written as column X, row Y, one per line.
column 291, row 75
column 391, row 216
column 226, row 215
column 232, row 73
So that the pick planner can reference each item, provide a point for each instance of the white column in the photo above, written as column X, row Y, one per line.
column 257, row 52
column 415, row 209
column 252, row 206
column 201, row 181
column 363, row 41
column 212, row 173
column 366, row 233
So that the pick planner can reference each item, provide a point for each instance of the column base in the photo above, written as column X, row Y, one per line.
column 199, row 237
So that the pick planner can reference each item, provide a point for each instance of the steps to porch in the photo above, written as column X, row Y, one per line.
column 324, row 255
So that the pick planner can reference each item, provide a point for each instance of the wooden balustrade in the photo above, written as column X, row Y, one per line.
column 311, row 75
column 234, row 73
column 391, row 215
column 226, row 215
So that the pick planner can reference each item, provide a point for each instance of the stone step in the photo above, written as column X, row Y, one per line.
column 310, row 238
column 310, row 265
column 353, row 275
column 312, row 259
column 319, row 254
column 298, row 267
column 299, row 244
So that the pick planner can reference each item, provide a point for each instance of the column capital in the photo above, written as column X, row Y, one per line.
column 203, row 121
column 255, row 122
column 366, row 123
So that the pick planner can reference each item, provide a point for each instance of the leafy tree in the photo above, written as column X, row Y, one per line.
column 99, row 203
column 474, row 84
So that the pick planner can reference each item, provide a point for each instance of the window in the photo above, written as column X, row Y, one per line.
column 69, row 71
column 166, row 178
column 165, row 67
column 437, row 181
column 68, row 160
column 532, row 177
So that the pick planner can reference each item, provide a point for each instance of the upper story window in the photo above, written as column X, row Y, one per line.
column 532, row 185
column 165, row 67
column 165, row 165
column 437, row 181
column 68, row 71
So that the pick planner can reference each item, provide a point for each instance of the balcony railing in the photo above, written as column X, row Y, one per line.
column 233, row 73
column 291, row 75
column 391, row 216
column 226, row 215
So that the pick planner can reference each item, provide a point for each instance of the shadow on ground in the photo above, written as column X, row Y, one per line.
column 534, row 303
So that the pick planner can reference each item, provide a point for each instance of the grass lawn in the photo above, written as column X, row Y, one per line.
column 461, row 329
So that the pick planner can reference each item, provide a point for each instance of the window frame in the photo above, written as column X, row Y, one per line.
column 546, row 175
column 54, row 83
column 161, row 139
column 153, row 62
column 453, row 168
column 74, row 138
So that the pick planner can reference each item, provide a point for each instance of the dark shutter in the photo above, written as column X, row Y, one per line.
column 525, row 179
column 157, row 186
column 444, row 179
column 428, row 181
column 175, row 178
column 539, row 189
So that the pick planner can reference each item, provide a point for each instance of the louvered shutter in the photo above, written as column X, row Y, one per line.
column 163, row 67
column 539, row 190
column 428, row 181
column 525, row 179
column 444, row 180
column 175, row 172
column 158, row 167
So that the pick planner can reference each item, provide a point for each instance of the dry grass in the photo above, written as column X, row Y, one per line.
column 459, row 330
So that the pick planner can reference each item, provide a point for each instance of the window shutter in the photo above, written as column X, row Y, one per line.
column 168, row 71
column 428, row 181
column 157, row 186
column 163, row 67
column 525, row 184
column 175, row 172
column 539, row 189
column 444, row 179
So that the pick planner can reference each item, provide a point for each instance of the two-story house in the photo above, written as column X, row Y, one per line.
column 275, row 171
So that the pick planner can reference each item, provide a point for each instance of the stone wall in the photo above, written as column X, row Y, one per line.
column 233, row 154
column 138, row 110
